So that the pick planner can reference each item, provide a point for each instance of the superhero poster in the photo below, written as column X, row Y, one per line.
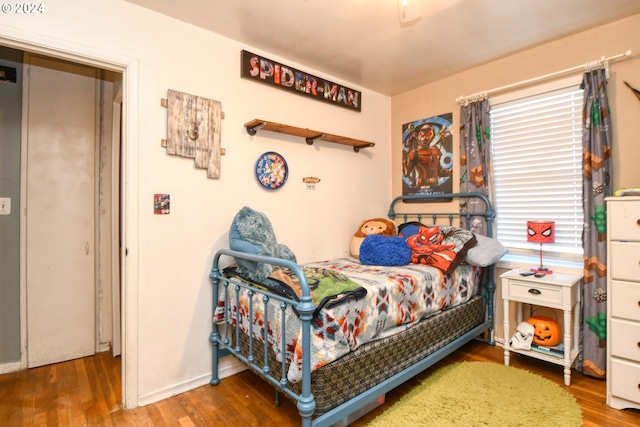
column 427, row 156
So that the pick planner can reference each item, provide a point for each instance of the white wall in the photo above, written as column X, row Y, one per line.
column 168, row 292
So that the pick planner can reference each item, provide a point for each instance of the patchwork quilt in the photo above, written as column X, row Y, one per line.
column 395, row 299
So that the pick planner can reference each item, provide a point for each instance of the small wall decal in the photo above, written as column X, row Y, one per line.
column 310, row 180
column 161, row 204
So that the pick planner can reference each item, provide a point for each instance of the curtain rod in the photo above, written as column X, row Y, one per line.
column 588, row 66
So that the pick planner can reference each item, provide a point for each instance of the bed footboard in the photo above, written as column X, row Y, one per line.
column 305, row 308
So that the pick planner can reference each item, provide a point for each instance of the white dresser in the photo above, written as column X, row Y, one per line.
column 623, row 302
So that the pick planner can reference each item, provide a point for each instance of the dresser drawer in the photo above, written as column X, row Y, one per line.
column 624, row 378
column 625, row 261
column 625, row 339
column 624, row 220
column 535, row 293
column 625, row 300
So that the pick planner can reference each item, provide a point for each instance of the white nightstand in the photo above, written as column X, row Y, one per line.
column 557, row 291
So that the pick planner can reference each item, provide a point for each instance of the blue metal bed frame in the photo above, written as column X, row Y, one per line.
column 305, row 307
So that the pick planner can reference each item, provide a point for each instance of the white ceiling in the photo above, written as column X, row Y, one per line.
column 363, row 42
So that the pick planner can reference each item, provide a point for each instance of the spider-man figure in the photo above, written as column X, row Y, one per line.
column 426, row 248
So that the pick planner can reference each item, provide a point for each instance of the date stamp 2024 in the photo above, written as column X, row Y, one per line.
column 23, row 8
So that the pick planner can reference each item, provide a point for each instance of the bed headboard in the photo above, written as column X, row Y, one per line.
column 437, row 217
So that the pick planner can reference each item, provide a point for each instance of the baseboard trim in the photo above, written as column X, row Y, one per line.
column 228, row 366
column 5, row 368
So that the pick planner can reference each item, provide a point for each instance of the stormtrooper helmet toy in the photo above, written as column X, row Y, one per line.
column 522, row 338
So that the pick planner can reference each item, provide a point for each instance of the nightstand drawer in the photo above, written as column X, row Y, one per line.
column 624, row 221
column 624, row 378
column 625, row 339
column 625, row 261
column 535, row 293
column 625, row 300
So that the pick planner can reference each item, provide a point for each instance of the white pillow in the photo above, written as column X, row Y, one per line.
column 486, row 252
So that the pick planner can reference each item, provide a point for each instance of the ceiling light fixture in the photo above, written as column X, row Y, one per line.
column 409, row 11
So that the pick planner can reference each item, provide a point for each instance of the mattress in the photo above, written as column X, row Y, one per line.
column 396, row 299
column 374, row 362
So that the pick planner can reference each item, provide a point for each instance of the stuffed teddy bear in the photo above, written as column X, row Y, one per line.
column 251, row 232
column 381, row 226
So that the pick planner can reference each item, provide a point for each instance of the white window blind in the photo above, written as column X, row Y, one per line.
column 537, row 160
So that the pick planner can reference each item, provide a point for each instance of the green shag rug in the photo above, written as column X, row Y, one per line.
column 483, row 394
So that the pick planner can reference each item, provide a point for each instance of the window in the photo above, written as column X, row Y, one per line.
column 537, row 163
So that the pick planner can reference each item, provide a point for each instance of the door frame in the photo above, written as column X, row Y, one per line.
column 128, row 259
column 116, row 200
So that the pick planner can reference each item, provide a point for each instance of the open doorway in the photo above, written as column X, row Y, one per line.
column 128, row 68
column 69, row 133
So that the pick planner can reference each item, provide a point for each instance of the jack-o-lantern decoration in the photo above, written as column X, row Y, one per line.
column 546, row 331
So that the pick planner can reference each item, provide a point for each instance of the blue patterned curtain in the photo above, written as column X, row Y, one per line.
column 596, row 185
column 476, row 171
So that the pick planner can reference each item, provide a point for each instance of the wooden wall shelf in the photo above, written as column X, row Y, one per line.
column 309, row 135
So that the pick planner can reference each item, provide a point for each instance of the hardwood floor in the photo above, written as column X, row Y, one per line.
column 86, row 392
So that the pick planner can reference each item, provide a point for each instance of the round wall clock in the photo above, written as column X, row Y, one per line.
column 271, row 170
